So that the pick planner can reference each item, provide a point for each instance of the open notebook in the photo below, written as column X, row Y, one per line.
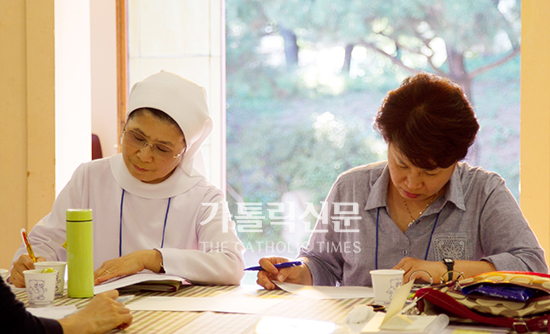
column 143, row 281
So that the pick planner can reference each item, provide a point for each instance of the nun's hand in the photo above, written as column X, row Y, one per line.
column 23, row 263
column 129, row 264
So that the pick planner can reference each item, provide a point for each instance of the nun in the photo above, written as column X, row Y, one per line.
column 152, row 209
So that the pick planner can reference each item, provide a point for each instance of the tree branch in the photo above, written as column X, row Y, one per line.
column 398, row 62
column 430, row 61
column 436, row 69
column 487, row 67
column 392, row 58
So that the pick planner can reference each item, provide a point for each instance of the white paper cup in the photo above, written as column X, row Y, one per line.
column 4, row 274
column 40, row 287
column 384, row 284
column 58, row 266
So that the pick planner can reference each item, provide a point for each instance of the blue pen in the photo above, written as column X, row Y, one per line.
column 125, row 298
column 278, row 266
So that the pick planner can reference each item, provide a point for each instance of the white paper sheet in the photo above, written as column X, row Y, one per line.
column 210, row 322
column 143, row 276
column 327, row 292
column 54, row 312
column 234, row 304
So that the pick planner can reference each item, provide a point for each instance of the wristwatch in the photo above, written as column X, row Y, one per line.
column 450, row 263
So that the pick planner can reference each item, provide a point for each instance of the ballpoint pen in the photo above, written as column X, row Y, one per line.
column 278, row 266
column 125, row 298
column 27, row 244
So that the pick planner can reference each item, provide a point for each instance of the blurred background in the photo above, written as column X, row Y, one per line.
column 305, row 79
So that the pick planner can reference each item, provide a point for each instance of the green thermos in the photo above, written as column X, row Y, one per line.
column 80, row 253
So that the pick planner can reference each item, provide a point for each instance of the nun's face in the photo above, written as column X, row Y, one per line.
column 151, row 148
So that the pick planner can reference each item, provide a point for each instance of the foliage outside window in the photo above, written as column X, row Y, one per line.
column 306, row 77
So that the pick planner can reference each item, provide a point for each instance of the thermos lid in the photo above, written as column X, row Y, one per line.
column 79, row 215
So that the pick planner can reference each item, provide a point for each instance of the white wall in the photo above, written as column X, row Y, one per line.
column 72, row 88
column 104, row 73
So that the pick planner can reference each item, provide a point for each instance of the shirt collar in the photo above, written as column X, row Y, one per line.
column 454, row 192
column 379, row 192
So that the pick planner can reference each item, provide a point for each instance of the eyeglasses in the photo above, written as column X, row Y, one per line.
column 448, row 277
column 159, row 151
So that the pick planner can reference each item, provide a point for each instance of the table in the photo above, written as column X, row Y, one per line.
column 160, row 322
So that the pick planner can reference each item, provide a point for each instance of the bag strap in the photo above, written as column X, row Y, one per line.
column 531, row 273
column 448, row 303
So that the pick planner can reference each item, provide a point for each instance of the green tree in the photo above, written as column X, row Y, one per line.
column 277, row 140
column 436, row 35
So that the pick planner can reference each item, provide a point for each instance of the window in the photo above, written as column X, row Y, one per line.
column 305, row 79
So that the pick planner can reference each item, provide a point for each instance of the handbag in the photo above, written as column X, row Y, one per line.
column 486, row 299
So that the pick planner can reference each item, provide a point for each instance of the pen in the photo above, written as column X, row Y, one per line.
column 125, row 298
column 28, row 244
column 278, row 266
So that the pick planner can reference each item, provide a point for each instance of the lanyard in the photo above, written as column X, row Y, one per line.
column 427, row 248
column 120, row 230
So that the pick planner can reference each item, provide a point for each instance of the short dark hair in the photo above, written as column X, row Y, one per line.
column 429, row 119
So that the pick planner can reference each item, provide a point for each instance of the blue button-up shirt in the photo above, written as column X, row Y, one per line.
column 476, row 219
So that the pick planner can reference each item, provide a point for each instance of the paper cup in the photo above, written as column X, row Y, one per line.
column 58, row 266
column 40, row 287
column 4, row 274
column 384, row 284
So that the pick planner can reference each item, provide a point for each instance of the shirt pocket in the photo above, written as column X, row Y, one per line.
column 456, row 246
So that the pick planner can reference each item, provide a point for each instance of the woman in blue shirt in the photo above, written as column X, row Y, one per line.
column 422, row 210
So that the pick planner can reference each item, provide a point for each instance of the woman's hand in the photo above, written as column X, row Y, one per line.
column 437, row 269
column 23, row 263
column 298, row 274
column 102, row 314
column 129, row 264
column 421, row 268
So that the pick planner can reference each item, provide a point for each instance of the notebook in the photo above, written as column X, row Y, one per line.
column 143, row 281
